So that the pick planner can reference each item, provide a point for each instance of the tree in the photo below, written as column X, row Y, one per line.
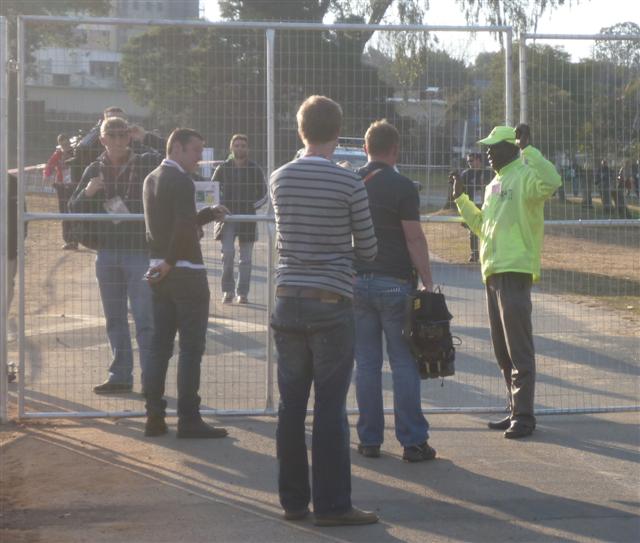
column 624, row 53
column 37, row 36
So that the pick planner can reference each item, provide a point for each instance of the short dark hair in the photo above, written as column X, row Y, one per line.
column 114, row 110
column 474, row 156
column 380, row 137
column 319, row 119
column 182, row 136
column 238, row 137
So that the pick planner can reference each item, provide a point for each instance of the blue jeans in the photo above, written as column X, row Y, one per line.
column 120, row 276
column 379, row 307
column 228, row 282
column 180, row 304
column 314, row 340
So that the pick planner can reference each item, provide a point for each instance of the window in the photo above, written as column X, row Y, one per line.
column 61, row 80
column 103, row 69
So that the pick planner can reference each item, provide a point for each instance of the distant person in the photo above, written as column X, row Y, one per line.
column 475, row 179
column 510, row 226
column 113, row 184
column 90, row 146
column 322, row 224
column 58, row 173
column 381, row 290
column 604, row 181
column 12, row 252
column 242, row 191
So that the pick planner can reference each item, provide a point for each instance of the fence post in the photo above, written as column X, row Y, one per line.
column 20, row 68
column 270, row 43
column 4, row 221
column 508, row 78
column 523, row 78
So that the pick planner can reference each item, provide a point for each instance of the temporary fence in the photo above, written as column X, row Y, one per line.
column 249, row 78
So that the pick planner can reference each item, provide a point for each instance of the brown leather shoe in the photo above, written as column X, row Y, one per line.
column 199, row 429
column 353, row 517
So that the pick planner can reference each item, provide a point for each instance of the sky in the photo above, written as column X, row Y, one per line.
column 581, row 17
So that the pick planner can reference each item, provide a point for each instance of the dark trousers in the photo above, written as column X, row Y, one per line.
column 180, row 304
column 509, row 305
column 315, row 343
column 64, row 192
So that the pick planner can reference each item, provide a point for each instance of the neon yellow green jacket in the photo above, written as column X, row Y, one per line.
column 510, row 225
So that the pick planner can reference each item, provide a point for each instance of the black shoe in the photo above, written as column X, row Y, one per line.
column 518, row 430
column 296, row 514
column 199, row 429
column 155, row 426
column 353, row 517
column 369, row 451
column 71, row 246
column 419, row 453
column 501, row 424
column 109, row 387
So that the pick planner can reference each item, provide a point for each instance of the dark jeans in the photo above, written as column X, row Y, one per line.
column 315, row 342
column 509, row 305
column 180, row 304
column 64, row 193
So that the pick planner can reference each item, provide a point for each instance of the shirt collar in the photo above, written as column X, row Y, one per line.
column 173, row 164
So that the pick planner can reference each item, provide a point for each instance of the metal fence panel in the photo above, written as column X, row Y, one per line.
column 250, row 78
column 585, row 117
column 4, row 221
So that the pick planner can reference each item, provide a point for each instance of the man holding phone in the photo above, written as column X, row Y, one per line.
column 113, row 184
column 178, row 279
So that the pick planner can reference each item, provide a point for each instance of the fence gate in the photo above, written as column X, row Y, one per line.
column 249, row 78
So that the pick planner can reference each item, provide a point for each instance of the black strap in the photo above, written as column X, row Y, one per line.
column 370, row 175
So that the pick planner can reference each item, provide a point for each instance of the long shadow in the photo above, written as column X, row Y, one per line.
column 579, row 355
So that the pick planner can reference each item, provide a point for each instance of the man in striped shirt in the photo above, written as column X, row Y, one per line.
column 322, row 224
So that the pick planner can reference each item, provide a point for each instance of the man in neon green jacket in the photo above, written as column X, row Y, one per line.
column 510, row 227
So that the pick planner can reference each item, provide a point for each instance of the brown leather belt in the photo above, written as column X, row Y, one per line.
column 309, row 292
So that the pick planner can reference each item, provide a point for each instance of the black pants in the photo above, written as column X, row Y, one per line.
column 180, row 304
column 64, row 193
column 509, row 306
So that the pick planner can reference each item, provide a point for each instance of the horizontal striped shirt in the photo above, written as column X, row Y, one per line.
column 322, row 224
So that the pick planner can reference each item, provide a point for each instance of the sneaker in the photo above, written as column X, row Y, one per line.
column 369, row 451
column 353, row 517
column 109, row 387
column 419, row 453
column 227, row 298
column 242, row 299
column 71, row 246
column 155, row 426
column 199, row 429
column 296, row 514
